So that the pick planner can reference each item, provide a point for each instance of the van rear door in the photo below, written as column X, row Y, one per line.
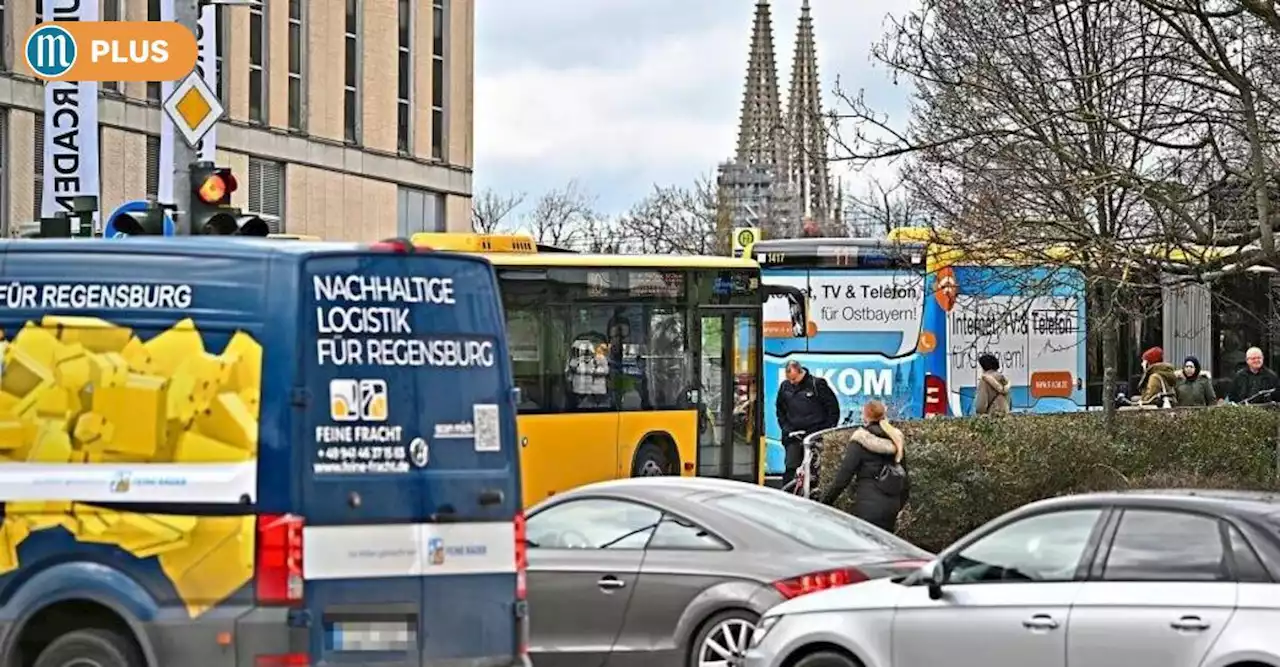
column 410, row 477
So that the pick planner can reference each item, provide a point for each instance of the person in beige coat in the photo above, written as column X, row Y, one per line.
column 993, row 388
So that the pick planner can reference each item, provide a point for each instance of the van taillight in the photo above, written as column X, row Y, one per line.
column 522, row 584
column 278, row 576
column 935, row 396
column 522, row 558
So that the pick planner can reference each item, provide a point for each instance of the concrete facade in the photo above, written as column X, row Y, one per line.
column 328, row 186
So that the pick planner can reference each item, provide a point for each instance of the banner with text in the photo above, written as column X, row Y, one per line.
column 70, row 127
column 207, row 39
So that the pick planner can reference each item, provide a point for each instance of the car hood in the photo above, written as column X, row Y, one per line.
column 874, row 594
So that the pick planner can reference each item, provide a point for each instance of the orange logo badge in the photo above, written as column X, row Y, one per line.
column 946, row 289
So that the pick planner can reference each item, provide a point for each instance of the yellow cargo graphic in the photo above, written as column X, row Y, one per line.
column 84, row 391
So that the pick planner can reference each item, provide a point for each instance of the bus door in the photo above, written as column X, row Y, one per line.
column 729, row 396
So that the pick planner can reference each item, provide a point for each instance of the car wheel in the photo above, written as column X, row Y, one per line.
column 89, row 648
column 650, row 461
column 723, row 639
column 827, row 659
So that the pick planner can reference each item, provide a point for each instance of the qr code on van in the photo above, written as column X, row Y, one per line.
column 488, row 431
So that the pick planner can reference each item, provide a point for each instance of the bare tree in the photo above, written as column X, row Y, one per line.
column 601, row 234
column 1056, row 132
column 489, row 210
column 881, row 209
column 1231, row 49
column 560, row 216
column 678, row 220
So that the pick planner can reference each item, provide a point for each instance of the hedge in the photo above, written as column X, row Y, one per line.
column 966, row 471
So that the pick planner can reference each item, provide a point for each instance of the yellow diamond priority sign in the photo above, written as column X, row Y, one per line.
column 193, row 108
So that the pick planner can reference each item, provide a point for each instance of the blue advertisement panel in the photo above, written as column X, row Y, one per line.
column 859, row 329
column 1032, row 319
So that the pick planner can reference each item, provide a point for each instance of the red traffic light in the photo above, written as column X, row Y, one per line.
column 216, row 188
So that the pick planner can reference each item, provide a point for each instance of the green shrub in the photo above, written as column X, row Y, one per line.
column 967, row 471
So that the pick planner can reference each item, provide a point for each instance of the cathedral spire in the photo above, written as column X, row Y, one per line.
column 759, row 127
column 806, row 132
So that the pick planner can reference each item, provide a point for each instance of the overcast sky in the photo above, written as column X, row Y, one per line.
column 623, row 94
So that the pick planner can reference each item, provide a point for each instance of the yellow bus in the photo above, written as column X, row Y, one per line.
column 627, row 365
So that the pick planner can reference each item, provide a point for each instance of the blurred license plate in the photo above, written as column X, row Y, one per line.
column 385, row 636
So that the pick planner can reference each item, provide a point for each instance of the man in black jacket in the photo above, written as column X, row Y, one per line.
column 1254, row 379
column 806, row 404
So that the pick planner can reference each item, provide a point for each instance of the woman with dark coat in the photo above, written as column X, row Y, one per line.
column 1194, row 387
column 873, row 462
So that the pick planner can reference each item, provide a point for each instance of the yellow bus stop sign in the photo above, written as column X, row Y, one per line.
column 743, row 239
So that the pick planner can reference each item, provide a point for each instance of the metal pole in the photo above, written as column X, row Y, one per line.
column 186, row 13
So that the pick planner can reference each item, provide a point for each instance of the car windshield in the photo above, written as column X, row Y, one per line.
column 812, row 524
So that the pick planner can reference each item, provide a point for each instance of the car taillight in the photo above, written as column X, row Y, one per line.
column 935, row 396
column 282, row 660
column 278, row 575
column 819, row 581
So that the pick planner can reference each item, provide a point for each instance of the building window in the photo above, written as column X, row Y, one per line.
column 351, row 90
column 112, row 10
column 418, row 211
column 404, row 97
column 153, row 167
column 222, row 82
column 296, row 44
column 4, row 29
column 5, row 229
column 257, row 64
column 153, row 14
column 266, row 192
column 437, row 79
column 38, row 172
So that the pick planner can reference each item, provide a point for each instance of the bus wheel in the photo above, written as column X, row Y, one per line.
column 92, row 646
column 650, row 461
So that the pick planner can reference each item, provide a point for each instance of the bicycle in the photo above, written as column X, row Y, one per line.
column 1163, row 401
column 803, row 485
column 1250, row 400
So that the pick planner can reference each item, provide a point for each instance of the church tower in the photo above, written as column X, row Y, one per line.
column 754, row 187
column 806, row 133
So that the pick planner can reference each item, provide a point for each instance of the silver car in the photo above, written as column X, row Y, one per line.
column 676, row 571
column 1141, row 579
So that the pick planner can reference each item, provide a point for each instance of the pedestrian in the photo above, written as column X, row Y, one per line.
column 1255, row 383
column 1159, row 380
column 806, row 404
column 874, row 462
column 1194, row 386
column 992, row 397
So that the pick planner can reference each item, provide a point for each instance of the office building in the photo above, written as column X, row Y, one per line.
column 346, row 119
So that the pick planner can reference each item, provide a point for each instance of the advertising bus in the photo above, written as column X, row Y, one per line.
column 1030, row 318
column 246, row 452
column 851, row 311
column 627, row 365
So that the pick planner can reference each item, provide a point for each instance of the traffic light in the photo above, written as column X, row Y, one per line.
column 147, row 222
column 211, row 210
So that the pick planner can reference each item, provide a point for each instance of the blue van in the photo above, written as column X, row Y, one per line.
column 238, row 452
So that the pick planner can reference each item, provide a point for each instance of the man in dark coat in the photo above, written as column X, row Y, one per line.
column 1254, row 379
column 806, row 404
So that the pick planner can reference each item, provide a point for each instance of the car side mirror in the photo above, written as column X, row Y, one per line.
column 934, row 578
